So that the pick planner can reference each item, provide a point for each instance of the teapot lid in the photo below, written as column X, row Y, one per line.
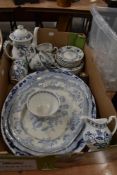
column 21, row 34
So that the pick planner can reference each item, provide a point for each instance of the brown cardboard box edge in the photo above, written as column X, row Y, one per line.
column 59, row 39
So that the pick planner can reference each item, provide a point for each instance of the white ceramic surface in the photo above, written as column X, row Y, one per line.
column 43, row 103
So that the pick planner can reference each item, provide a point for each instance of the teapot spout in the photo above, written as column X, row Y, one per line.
column 35, row 36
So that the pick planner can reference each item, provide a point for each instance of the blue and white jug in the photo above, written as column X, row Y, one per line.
column 96, row 134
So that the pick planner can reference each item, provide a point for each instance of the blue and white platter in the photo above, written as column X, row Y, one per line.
column 17, row 149
column 56, row 135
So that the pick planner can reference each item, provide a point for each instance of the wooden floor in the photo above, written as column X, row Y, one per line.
column 100, row 169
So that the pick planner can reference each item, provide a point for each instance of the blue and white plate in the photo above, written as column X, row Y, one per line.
column 59, row 131
column 73, row 85
column 19, row 150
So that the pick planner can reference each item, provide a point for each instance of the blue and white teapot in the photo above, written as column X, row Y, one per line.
column 96, row 134
column 23, row 43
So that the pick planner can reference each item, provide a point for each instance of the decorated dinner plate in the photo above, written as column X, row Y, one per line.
column 46, row 79
column 45, row 135
column 74, row 70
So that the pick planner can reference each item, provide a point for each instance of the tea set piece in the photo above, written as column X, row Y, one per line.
column 69, row 56
column 23, row 42
column 96, row 134
column 35, row 63
column 46, row 47
column 18, row 70
column 42, row 60
column 47, row 59
column 43, row 103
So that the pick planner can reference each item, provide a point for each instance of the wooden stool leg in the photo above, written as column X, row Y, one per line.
column 13, row 25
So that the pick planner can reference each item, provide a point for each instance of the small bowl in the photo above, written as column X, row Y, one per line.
column 43, row 103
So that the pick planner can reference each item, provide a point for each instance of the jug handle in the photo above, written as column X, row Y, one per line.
column 35, row 36
column 109, row 120
column 6, row 43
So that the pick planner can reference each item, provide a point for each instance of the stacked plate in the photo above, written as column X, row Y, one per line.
column 42, row 115
column 70, row 58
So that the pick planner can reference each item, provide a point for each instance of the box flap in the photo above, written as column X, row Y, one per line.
column 97, row 86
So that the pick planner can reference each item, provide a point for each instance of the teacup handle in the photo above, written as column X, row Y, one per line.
column 109, row 120
column 55, row 49
column 6, row 43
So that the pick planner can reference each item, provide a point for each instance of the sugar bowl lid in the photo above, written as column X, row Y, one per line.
column 21, row 34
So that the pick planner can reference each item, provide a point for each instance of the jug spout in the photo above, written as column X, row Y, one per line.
column 35, row 36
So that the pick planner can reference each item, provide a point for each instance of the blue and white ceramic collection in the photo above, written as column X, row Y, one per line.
column 44, row 55
column 27, row 134
column 50, row 111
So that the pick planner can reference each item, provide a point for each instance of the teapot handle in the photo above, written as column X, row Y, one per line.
column 35, row 36
column 6, row 43
column 109, row 120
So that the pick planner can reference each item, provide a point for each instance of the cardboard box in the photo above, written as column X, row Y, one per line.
column 103, row 102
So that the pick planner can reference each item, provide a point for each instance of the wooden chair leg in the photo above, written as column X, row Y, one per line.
column 64, row 23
